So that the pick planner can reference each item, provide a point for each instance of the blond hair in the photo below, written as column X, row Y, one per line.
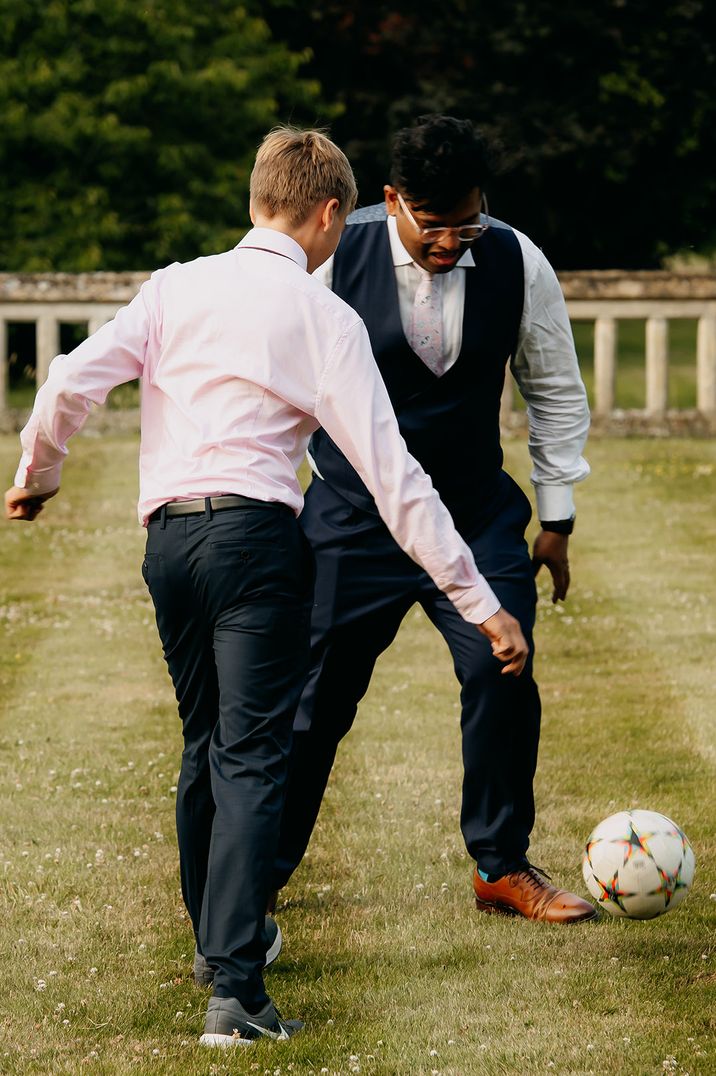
column 295, row 170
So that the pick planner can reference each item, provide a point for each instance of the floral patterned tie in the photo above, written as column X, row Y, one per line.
column 426, row 331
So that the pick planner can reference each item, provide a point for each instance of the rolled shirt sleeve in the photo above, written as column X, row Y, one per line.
column 111, row 356
column 369, row 437
column 547, row 372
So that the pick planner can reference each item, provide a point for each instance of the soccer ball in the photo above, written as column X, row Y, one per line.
column 638, row 864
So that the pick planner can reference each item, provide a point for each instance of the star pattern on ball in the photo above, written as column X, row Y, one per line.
column 680, row 883
column 633, row 842
column 589, row 847
column 612, row 890
column 685, row 845
column 638, row 863
column 668, row 884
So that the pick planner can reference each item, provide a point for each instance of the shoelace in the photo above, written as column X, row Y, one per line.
column 535, row 876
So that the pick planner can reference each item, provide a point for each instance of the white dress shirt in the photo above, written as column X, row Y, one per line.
column 545, row 365
column 242, row 356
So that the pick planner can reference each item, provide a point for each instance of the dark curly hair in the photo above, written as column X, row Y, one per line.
column 438, row 161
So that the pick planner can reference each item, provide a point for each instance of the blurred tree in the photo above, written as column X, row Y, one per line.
column 128, row 129
column 605, row 109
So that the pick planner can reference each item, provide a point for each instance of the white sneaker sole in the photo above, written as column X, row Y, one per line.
column 212, row 1039
column 224, row 1041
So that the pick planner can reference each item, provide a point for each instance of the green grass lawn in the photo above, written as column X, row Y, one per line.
column 385, row 956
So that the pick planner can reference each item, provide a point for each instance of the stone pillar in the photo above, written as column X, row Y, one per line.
column 657, row 365
column 706, row 365
column 605, row 364
column 47, row 336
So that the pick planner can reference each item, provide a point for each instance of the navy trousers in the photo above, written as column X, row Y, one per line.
column 232, row 593
column 365, row 585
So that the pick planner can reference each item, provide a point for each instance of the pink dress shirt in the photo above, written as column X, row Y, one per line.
column 242, row 356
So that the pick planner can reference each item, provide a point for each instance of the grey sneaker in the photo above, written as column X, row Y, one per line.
column 204, row 973
column 229, row 1024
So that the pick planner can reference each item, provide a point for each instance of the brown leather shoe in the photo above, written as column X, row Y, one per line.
column 527, row 892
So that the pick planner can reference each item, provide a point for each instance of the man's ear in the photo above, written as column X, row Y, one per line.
column 252, row 214
column 330, row 210
column 391, row 199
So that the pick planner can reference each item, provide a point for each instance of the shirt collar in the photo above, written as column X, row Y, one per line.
column 277, row 242
column 401, row 256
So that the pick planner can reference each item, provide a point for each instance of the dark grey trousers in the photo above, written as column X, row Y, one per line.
column 232, row 593
column 365, row 585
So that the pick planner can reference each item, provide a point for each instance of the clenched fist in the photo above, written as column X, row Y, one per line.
column 508, row 643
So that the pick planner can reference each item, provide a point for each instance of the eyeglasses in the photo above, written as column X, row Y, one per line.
column 465, row 232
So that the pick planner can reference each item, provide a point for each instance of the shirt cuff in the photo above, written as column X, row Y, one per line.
column 555, row 502
column 475, row 604
column 45, row 481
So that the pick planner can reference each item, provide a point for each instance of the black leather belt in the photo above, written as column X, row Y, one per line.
column 201, row 505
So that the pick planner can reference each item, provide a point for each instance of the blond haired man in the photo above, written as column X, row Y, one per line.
column 242, row 356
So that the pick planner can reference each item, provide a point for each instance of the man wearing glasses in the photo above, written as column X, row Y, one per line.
column 449, row 296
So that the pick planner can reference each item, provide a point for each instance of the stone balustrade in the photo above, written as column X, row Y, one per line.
column 610, row 296
column 604, row 297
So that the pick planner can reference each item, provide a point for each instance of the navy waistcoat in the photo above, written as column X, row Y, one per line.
column 450, row 423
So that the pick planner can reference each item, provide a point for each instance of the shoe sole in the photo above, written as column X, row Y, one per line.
column 496, row 909
column 512, row 913
column 224, row 1041
column 213, row 1038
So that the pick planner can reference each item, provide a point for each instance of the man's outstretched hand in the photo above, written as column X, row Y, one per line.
column 508, row 642
column 551, row 549
column 22, row 504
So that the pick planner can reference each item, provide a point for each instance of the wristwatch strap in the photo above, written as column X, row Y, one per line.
column 558, row 526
